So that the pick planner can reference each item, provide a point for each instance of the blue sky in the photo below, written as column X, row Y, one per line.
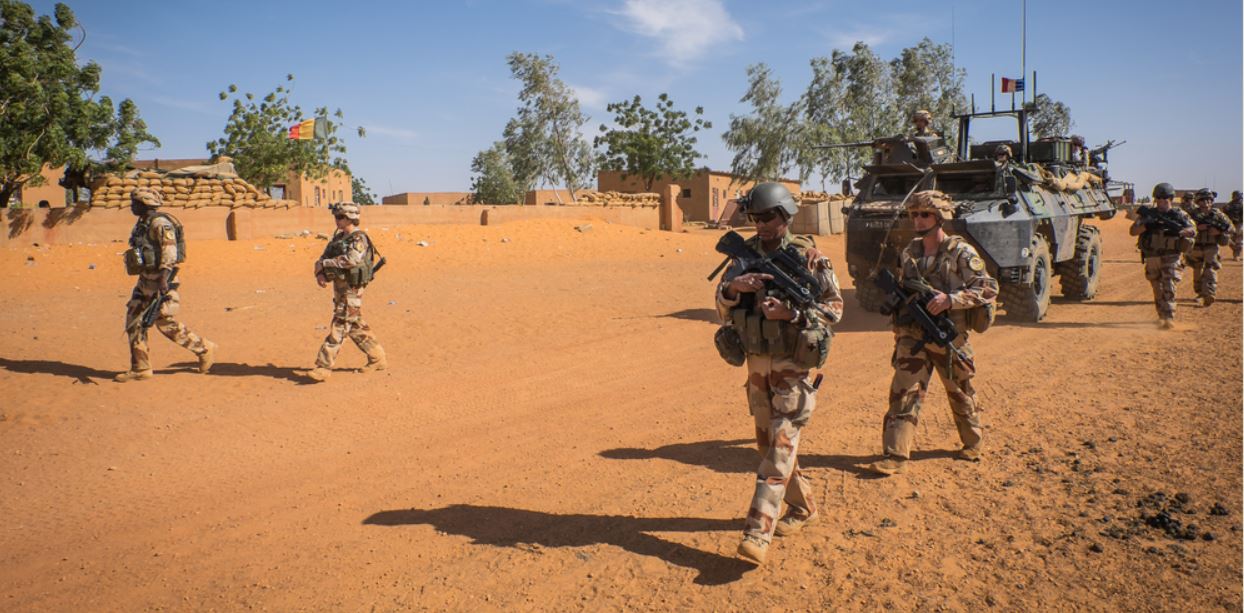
column 429, row 81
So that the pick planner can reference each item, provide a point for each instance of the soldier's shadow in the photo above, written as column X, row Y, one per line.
column 82, row 374
column 740, row 456
column 505, row 527
column 234, row 369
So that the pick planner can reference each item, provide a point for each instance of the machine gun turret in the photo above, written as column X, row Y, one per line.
column 922, row 151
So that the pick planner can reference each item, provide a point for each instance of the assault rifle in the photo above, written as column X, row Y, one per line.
column 1155, row 220
column 153, row 309
column 791, row 279
column 1211, row 220
column 911, row 297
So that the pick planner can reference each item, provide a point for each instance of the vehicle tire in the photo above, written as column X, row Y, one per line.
column 868, row 294
column 1079, row 276
column 1028, row 303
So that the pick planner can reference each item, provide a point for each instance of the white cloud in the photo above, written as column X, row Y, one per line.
column 685, row 29
column 590, row 97
column 391, row 132
column 845, row 40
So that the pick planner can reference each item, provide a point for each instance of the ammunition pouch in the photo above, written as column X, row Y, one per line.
column 979, row 318
column 140, row 259
column 1223, row 239
column 360, row 275
column 730, row 346
column 812, row 347
column 1158, row 244
column 807, row 347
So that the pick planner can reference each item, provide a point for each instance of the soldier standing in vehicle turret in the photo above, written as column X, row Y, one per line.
column 156, row 248
column 957, row 273
column 781, row 345
column 1204, row 258
column 1235, row 212
column 347, row 263
column 922, row 120
column 1165, row 234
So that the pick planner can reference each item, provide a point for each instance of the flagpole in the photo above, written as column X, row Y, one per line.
column 1023, row 53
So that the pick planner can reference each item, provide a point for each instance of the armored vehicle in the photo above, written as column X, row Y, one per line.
column 1028, row 217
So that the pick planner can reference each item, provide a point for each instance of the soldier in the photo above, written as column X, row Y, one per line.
column 347, row 262
column 957, row 273
column 156, row 248
column 1204, row 258
column 921, row 120
column 1079, row 151
column 782, row 344
column 1165, row 234
column 1235, row 212
column 1002, row 154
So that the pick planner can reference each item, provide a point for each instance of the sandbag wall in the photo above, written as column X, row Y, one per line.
column 188, row 192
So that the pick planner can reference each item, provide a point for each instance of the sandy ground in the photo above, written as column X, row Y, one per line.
column 557, row 432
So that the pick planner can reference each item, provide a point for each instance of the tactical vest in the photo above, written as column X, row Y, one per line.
column 1158, row 243
column 1205, row 238
column 358, row 276
column 944, row 269
column 806, row 347
column 145, row 254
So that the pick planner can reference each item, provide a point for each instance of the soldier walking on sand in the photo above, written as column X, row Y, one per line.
column 781, row 345
column 1210, row 235
column 347, row 262
column 157, row 246
column 953, row 268
column 1165, row 234
column 1235, row 212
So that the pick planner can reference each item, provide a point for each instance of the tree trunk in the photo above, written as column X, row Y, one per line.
column 6, row 192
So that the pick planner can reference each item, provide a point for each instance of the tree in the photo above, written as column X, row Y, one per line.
column 925, row 77
column 650, row 143
column 494, row 183
column 545, row 140
column 1049, row 118
column 48, row 111
column 824, row 120
column 359, row 192
column 765, row 142
column 256, row 137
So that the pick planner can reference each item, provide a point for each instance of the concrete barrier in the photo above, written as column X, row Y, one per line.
column 83, row 224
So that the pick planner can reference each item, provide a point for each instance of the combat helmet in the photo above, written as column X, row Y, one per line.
column 1204, row 194
column 1003, row 149
column 767, row 196
column 346, row 209
column 147, row 196
column 1163, row 190
column 922, row 114
column 932, row 201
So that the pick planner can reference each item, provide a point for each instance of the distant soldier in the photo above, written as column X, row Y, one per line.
column 1165, row 234
column 1002, row 154
column 1213, row 229
column 781, row 345
column 1235, row 212
column 922, row 120
column 347, row 262
column 957, row 273
column 1079, row 151
column 157, row 246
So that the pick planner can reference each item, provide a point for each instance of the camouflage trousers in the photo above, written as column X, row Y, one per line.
column 348, row 322
column 1164, row 273
column 144, row 292
column 914, row 363
column 781, row 401
column 1237, row 241
column 1205, row 263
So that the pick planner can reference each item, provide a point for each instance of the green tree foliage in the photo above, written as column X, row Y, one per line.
column 925, row 77
column 544, row 140
column 765, row 141
column 650, row 143
column 256, row 137
column 1048, row 117
column 359, row 192
column 494, row 181
column 824, row 120
column 48, row 110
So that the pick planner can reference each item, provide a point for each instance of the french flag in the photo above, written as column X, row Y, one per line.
column 1012, row 85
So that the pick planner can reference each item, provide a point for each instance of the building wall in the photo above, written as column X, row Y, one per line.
column 319, row 192
column 439, row 198
column 50, row 192
column 547, row 196
column 703, row 196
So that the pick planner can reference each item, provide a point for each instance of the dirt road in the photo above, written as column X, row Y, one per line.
column 558, row 433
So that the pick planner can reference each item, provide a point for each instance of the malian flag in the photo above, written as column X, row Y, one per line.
column 309, row 129
column 1012, row 85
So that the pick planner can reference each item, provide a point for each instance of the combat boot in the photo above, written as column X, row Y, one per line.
column 793, row 521
column 317, row 374
column 375, row 365
column 971, row 454
column 208, row 357
column 753, row 550
column 376, row 359
column 1166, row 323
column 1206, row 300
column 134, row 375
column 889, row 466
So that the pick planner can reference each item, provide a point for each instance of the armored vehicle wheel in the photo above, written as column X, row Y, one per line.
column 868, row 294
column 1079, row 275
column 1028, row 303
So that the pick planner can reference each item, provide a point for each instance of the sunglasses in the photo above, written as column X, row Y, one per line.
column 340, row 217
column 763, row 217
column 921, row 214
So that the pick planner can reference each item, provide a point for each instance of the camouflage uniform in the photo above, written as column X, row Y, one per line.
column 1234, row 211
column 347, row 251
column 927, row 129
column 779, row 396
column 958, row 271
column 1203, row 257
column 1162, row 253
